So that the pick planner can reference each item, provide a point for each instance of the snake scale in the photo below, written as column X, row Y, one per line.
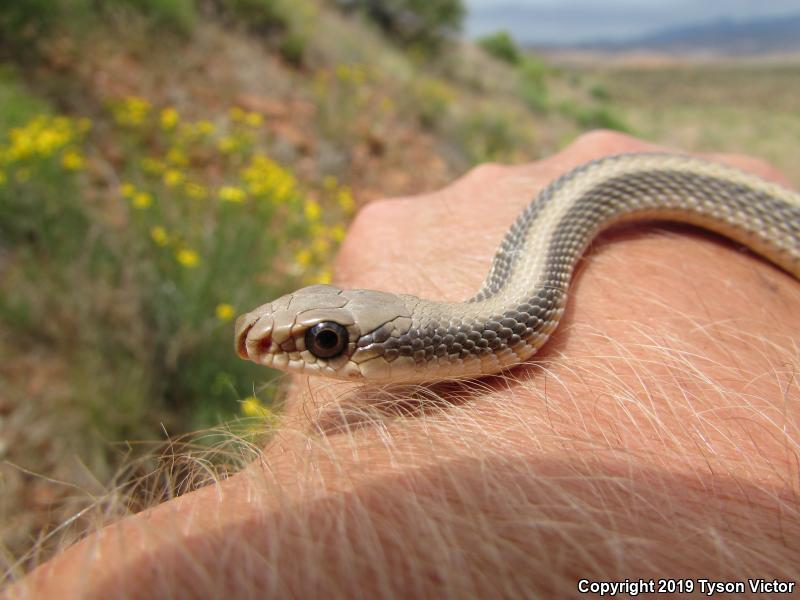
column 372, row 335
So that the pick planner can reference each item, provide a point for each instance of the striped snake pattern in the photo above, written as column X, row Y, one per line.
column 372, row 335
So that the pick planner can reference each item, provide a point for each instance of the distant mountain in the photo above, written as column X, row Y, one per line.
column 724, row 36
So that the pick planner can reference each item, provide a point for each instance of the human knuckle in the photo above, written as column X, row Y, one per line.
column 603, row 137
column 486, row 171
column 377, row 211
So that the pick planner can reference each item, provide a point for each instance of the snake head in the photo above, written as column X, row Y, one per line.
column 324, row 330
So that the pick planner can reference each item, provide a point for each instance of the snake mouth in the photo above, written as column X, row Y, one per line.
column 241, row 341
column 253, row 338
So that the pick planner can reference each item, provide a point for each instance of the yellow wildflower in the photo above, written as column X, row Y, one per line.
column 338, row 233
column 321, row 246
column 195, row 191
column 237, row 114
column 342, row 72
column 316, row 230
column 312, row 210
column 324, row 276
column 229, row 193
column 48, row 140
column 356, row 74
column 152, row 165
column 173, row 177
column 188, row 258
column 254, row 119
column 131, row 111
column 303, row 258
column 224, row 312
column 204, row 127
column 177, row 157
column 169, row 118
column 43, row 135
column 127, row 190
column 345, row 199
column 73, row 160
column 227, row 144
column 252, row 407
column 264, row 176
column 142, row 199
column 159, row 235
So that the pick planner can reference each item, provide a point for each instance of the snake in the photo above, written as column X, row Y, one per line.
column 370, row 335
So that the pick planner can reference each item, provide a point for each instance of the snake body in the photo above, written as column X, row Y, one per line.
column 365, row 334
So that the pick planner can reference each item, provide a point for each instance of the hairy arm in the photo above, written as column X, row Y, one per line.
column 656, row 435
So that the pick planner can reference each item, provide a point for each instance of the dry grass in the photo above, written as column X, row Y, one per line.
column 747, row 107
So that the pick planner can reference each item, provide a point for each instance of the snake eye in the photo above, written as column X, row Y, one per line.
column 326, row 340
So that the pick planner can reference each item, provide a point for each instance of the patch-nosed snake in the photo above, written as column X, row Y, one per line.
column 379, row 336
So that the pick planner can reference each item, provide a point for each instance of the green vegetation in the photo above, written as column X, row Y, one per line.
column 501, row 46
column 594, row 117
column 533, row 83
column 210, row 227
column 18, row 104
column 286, row 23
column 493, row 135
column 29, row 22
column 425, row 24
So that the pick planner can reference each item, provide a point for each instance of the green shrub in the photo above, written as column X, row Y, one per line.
column 23, row 23
column 18, row 105
column 600, row 92
column 293, row 48
column 263, row 16
column 594, row 117
column 177, row 15
column 210, row 247
column 422, row 23
column 343, row 96
column 286, row 23
column 213, row 228
column 492, row 135
column 433, row 99
column 501, row 46
column 602, row 118
column 533, row 84
column 37, row 185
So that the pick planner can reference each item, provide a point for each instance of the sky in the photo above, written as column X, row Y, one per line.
column 571, row 21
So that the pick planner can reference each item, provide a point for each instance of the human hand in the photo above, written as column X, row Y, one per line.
column 655, row 435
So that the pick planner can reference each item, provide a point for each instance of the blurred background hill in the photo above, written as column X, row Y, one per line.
column 721, row 37
column 168, row 164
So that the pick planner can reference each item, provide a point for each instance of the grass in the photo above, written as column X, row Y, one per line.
column 18, row 104
column 740, row 107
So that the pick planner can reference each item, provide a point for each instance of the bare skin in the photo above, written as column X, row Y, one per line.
column 655, row 436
